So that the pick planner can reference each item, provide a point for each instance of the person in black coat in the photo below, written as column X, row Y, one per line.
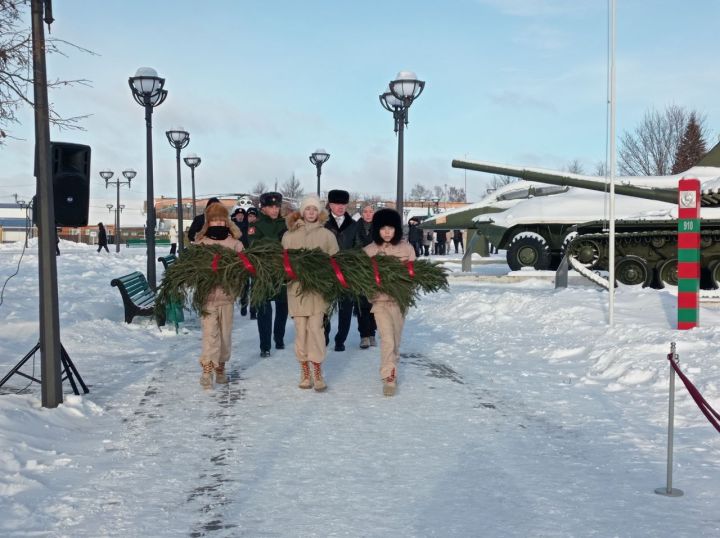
column 415, row 236
column 458, row 240
column 366, row 319
column 102, row 238
column 199, row 221
column 342, row 225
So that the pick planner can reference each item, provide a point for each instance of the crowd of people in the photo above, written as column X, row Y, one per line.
column 330, row 228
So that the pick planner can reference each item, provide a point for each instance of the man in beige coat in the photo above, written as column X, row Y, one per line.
column 217, row 322
column 306, row 230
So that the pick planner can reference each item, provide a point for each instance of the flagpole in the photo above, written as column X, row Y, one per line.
column 611, row 134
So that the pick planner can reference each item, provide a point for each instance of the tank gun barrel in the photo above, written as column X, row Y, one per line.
column 574, row 180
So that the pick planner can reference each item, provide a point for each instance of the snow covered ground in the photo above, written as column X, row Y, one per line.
column 518, row 413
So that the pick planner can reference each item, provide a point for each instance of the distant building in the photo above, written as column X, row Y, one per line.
column 13, row 223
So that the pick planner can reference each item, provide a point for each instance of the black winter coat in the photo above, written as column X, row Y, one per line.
column 197, row 224
column 415, row 234
column 346, row 235
column 364, row 233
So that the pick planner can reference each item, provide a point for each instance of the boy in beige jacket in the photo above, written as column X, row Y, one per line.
column 387, row 241
column 306, row 230
column 217, row 323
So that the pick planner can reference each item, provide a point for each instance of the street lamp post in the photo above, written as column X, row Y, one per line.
column 193, row 161
column 400, row 95
column 147, row 90
column 436, row 201
column 179, row 139
column 318, row 158
column 107, row 175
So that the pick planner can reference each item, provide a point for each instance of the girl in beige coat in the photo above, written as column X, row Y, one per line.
column 387, row 241
column 218, row 321
column 306, row 230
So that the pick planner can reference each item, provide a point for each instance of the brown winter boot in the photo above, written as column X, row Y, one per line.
column 220, row 376
column 319, row 382
column 305, row 382
column 390, row 384
column 206, row 380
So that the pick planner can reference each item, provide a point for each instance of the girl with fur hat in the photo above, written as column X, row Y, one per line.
column 306, row 229
column 387, row 241
column 217, row 323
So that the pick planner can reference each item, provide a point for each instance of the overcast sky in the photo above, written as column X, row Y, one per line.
column 261, row 84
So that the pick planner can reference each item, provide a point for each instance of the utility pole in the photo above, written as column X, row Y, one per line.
column 51, row 385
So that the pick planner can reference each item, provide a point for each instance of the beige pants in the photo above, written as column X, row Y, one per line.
column 309, row 338
column 216, row 334
column 390, row 321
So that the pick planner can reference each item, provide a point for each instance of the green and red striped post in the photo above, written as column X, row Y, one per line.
column 688, row 253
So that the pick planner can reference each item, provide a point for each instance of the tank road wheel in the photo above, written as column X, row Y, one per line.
column 528, row 250
column 668, row 273
column 586, row 251
column 714, row 269
column 632, row 271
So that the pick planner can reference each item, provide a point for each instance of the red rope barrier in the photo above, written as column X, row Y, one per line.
column 707, row 410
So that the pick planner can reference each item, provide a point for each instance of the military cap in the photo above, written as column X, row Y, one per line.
column 252, row 211
column 270, row 198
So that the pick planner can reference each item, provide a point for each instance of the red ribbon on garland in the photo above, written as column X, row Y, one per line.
column 376, row 271
column 246, row 262
column 215, row 261
column 338, row 273
column 411, row 268
column 288, row 268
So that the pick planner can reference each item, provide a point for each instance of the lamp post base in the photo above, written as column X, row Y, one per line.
column 672, row 492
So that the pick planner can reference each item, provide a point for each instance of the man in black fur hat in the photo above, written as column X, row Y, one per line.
column 344, row 227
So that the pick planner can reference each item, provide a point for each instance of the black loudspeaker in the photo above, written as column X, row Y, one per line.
column 70, row 172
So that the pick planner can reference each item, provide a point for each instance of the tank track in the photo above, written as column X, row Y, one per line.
column 594, row 276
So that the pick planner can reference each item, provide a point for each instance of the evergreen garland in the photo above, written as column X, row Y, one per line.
column 201, row 268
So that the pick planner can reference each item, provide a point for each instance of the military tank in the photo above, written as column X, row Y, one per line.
column 646, row 241
column 536, row 232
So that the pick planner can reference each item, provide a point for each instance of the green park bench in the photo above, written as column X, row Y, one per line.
column 140, row 242
column 168, row 260
column 138, row 298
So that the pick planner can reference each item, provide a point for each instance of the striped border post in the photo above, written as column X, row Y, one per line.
column 688, row 253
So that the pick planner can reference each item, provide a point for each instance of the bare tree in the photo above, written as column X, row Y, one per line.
column 292, row 188
column 651, row 148
column 16, row 70
column 455, row 194
column 601, row 169
column 498, row 181
column 420, row 191
column 575, row 167
column 259, row 188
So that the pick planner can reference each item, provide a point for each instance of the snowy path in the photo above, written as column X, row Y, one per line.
column 518, row 414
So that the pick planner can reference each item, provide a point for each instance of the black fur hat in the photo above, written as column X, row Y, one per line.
column 337, row 196
column 386, row 217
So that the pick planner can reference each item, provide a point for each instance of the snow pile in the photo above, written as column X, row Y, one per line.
column 518, row 413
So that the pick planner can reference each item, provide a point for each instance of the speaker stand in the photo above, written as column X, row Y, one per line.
column 68, row 369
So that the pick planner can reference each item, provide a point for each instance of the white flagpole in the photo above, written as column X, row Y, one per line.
column 611, row 262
